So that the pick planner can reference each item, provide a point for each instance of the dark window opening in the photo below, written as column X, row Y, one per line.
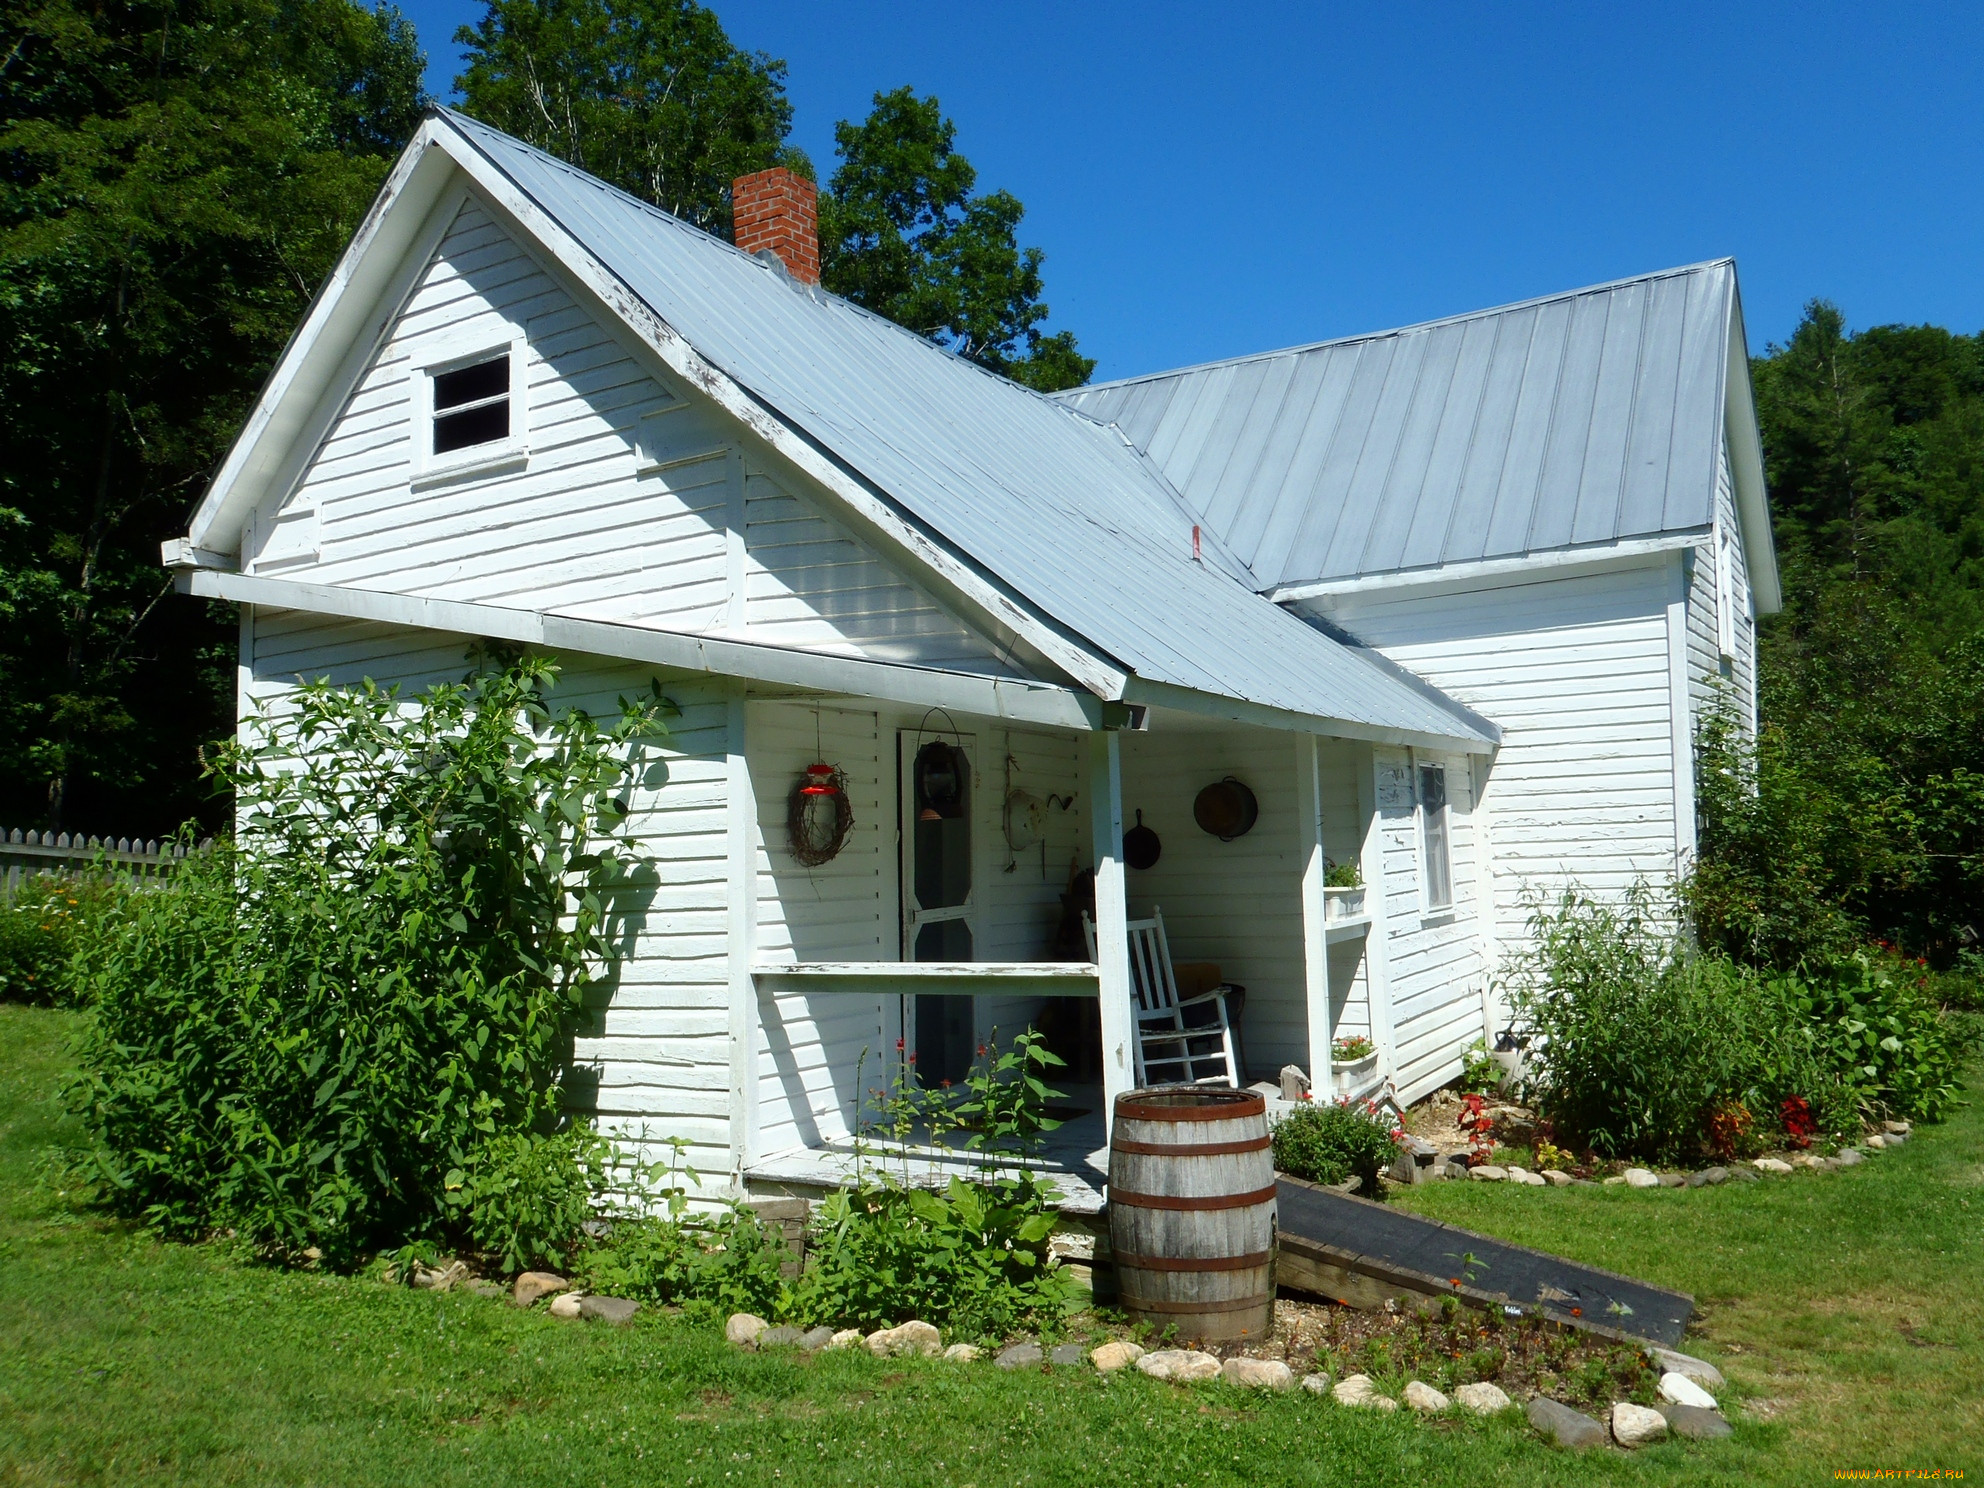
column 472, row 405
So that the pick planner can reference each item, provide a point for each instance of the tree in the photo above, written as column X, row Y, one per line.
column 902, row 234
column 179, row 175
column 1860, row 812
column 649, row 95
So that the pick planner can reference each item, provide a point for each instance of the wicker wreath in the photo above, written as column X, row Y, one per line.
column 806, row 832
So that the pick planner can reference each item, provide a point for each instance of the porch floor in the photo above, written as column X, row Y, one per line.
column 1075, row 1155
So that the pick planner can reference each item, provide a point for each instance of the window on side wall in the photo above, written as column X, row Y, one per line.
column 1435, row 850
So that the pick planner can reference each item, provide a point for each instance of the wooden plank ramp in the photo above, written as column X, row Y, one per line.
column 1364, row 1254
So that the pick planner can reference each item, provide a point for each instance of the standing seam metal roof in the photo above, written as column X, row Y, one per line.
column 1051, row 505
column 1586, row 417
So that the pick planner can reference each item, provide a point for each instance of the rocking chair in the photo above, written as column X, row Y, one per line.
column 1169, row 1050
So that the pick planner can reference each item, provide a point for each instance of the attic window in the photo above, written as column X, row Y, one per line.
column 472, row 405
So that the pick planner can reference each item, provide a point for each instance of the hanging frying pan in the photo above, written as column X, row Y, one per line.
column 1140, row 846
column 1227, row 809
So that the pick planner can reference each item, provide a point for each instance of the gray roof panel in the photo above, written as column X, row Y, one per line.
column 1050, row 505
column 1581, row 418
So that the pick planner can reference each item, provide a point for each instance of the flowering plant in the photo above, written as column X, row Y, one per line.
column 1800, row 1126
column 1327, row 1143
column 1355, row 1047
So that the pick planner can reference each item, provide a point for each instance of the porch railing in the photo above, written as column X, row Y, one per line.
column 933, row 978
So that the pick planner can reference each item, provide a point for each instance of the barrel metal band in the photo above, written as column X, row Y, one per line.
column 1213, row 1110
column 1190, row 1149
column 1238, row 1304
column 1181, row 1263
column 1207, row 1201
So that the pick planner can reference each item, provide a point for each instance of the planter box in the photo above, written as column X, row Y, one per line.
column 1342, row 904
column 1348, row 1079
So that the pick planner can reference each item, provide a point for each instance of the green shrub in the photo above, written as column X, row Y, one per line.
column 42, row 930
column 310, row 1036
column 727, row 1262
column 525, row 1196
column 1645, row 1048
column 972, row 1257
column 1329, row 1143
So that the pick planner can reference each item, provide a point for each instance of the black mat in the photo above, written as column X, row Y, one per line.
column 1392, row 1244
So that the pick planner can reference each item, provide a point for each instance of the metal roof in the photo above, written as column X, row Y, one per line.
column 1581, row 418
column 1048, row 504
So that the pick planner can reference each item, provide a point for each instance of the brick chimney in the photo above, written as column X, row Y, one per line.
column 779, row 210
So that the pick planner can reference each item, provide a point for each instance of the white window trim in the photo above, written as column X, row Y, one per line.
column 1428, row 910
column 496, row 457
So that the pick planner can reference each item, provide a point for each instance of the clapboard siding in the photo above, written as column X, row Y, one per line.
column 1435, row 962
column 808, row 584
column 843, row 910
column 627, row 508
column 1576, row 672
column 818, row 1052
column 655, row 1039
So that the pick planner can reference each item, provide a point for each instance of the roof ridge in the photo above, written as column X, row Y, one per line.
column 1422, row 325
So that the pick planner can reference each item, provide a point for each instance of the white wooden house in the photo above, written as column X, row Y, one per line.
column 1447, row 600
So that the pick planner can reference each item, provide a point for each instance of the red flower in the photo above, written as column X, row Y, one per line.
column 898, row 1046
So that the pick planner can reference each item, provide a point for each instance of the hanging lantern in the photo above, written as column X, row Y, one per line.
column 819, row 815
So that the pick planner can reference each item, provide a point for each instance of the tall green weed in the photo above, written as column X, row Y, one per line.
column 346, row 1029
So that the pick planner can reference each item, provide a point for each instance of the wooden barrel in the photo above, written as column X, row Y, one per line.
column 1191, row 1211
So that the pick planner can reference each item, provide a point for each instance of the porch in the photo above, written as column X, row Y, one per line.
column 878, row 961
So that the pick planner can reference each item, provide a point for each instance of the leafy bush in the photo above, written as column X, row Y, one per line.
column 728, row 1262
column 348, row 1030
column 1329, row 1143
column 49, row 920
column 1645, row 1048
column 972, row 1257
column 525, row 1196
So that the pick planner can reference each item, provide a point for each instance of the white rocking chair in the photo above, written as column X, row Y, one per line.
column 1168, row 1050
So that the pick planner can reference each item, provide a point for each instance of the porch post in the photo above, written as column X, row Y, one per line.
column 1112, row 941
column 742, row 852
column 1377, row 939
column 1315, row 936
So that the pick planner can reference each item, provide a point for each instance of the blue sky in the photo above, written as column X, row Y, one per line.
column 1213, row 180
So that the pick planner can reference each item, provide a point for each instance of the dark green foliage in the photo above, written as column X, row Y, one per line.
column 1641, row 1043
column 1328, row 1143
column 902, row 233
column 648, row 95
column 314, row 1037
column 1860, row 814
column 179, row 176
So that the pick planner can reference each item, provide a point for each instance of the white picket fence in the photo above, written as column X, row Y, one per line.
column 23, row 855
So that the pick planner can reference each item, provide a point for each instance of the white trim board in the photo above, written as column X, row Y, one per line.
column 992, row 697
column 1559, row 563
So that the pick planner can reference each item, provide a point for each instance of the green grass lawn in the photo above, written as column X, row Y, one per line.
column 1852, row 1298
